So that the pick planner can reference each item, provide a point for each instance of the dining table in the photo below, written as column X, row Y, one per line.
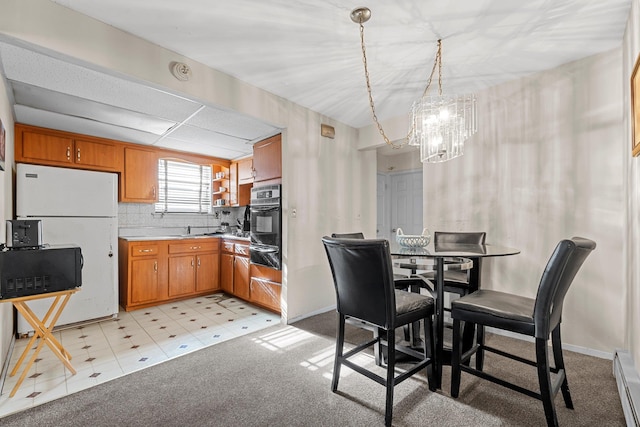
column 449, row 254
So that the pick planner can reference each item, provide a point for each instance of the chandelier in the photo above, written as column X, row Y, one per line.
column 440, row 124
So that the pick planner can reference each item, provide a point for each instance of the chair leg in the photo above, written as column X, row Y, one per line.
column 339, row 349
column 480, row 351
column 558, row 360
column 377, row 347
column 456, row 354
column 391, row 364
column 429, row 352
column 544, row 378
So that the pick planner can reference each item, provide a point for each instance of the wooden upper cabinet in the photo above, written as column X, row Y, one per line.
column 267, row 159
column 139, row 181
column 240, row 182
column 58, row 148
column 96, row 154
column 245, row 171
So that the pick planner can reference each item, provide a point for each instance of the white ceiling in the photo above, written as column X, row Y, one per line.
column 307, row 51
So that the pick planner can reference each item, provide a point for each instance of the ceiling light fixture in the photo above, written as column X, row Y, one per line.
column 439, row 125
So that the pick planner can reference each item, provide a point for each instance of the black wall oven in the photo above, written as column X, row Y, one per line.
column 266, row 226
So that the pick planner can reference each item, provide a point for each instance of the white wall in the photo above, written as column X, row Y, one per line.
column 631, row 50
column 546, row 164
column 6, row 211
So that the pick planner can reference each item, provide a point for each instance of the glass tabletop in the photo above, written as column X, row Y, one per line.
column 422, row 263
column 451, row 250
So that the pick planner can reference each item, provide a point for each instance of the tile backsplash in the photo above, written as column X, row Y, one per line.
column 140, row 219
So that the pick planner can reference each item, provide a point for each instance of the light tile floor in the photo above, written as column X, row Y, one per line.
column 134, row 340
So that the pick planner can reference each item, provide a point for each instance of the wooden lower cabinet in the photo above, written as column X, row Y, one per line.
column 158, row 271
column 144, row 281
column 207, row 272
column 182, row 275
column 265, row 293
column 265, row 287
column 241, row 277
column 226, row 269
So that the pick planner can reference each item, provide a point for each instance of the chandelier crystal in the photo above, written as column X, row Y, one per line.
column 439, row 125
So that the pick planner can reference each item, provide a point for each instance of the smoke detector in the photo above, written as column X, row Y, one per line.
column 180, row 71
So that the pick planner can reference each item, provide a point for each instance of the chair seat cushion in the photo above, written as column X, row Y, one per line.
column 498, row 309
column 411, row 301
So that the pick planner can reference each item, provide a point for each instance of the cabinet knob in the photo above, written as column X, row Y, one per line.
column 78, row 154
column 155, row 266
column 68, row 153
column 145, row 250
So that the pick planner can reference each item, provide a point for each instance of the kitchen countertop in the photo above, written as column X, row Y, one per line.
column 184, row 236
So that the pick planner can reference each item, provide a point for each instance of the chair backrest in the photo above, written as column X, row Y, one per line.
column 558, row 275
column 348, row 235
column 473, row 237
column 363, row 279
column 470, row 237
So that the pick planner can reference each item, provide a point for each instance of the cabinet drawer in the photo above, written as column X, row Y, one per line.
column 193, row 246
column 143, row 250
column 242, row 249
column 265, row 293
column 227, row 247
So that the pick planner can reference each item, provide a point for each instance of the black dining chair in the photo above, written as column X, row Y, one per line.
column 461, row 282
column 539, row 318
column 363, row 280
column 402, row 280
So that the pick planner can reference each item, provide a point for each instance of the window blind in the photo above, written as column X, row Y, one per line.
column 183, row 187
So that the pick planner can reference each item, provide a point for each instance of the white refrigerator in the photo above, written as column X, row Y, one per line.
column 81, row 208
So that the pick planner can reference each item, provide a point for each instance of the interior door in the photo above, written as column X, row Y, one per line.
column 406, row 202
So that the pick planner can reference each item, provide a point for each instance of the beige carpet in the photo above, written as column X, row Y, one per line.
column 281, row 377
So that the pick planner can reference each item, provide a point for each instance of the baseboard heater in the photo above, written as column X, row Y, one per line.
column 628, row 382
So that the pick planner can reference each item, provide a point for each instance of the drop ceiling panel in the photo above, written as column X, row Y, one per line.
column 187, row 133
column 44, row 99
column 47, row 119
column 209, row 149
column 231, row 123
column 36, row 69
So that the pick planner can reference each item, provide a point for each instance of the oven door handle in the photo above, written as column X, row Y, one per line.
column 263, row 249
column 264, row 208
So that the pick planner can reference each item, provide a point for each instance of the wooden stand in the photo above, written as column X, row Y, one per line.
column 42, row 330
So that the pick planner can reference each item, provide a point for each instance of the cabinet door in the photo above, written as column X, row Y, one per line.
column 182, row 275
column 140, row 177
column 49, row 149
column 96, row 154
column 233, row 184
column 241, row 277
column 207, row 272
column 226, row 273
column 245, row 171
column 267, row 159
column 144, row 280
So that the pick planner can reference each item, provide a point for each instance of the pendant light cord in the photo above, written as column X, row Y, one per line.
column 436, row 65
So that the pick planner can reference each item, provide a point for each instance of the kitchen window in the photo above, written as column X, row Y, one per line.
column 183, row 187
